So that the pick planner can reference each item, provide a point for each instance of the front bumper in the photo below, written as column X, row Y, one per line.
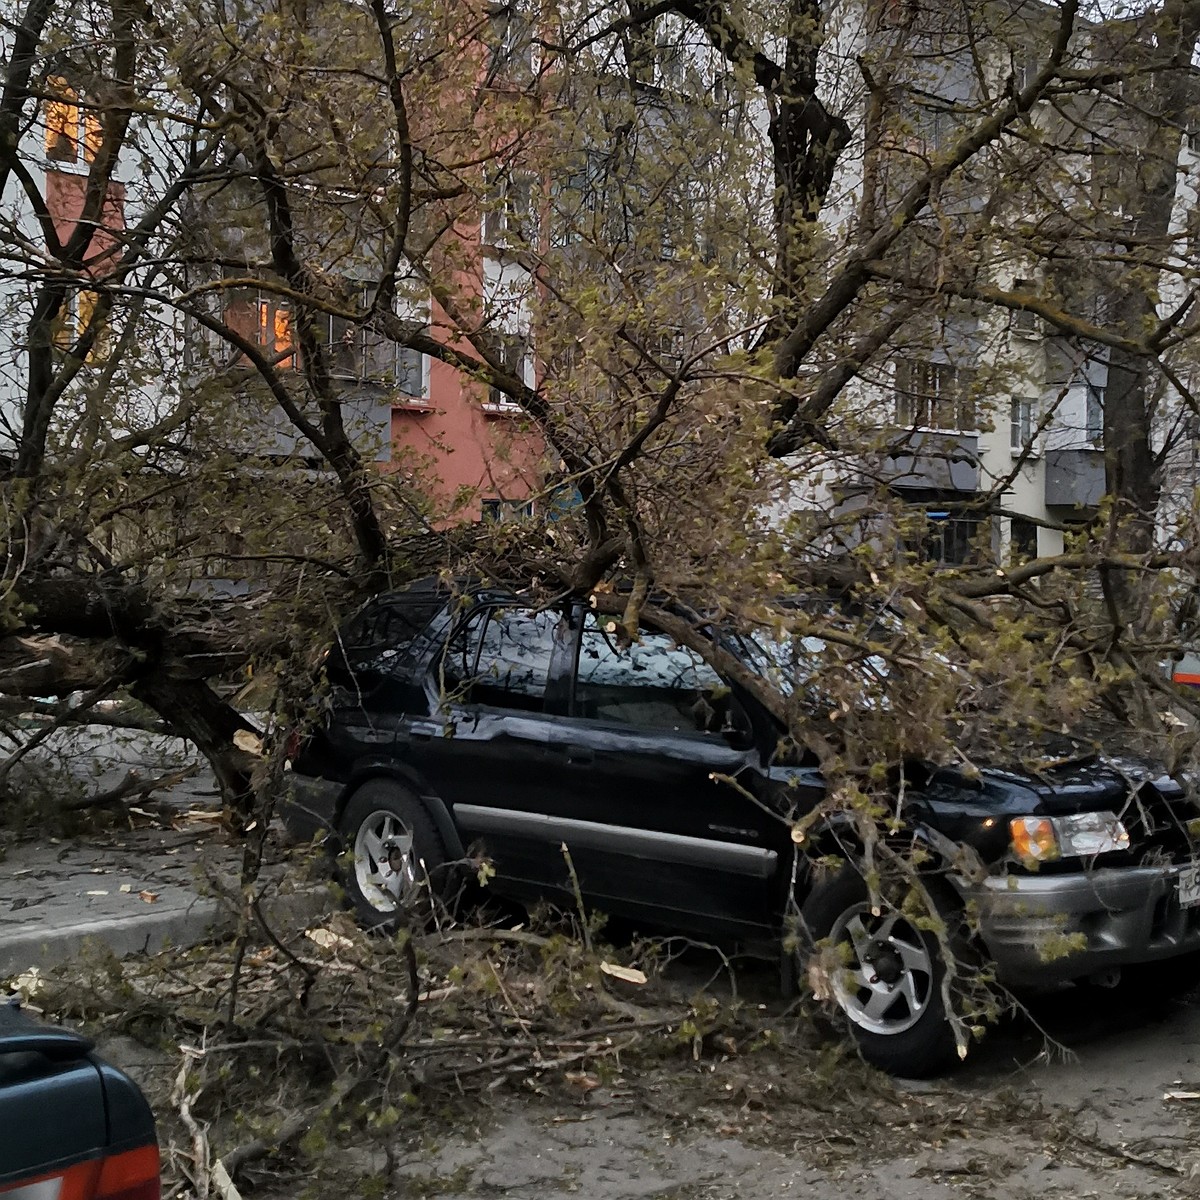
column 1043, row 930
column 308, row 806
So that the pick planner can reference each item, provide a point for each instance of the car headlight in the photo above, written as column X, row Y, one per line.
column 1044, row 839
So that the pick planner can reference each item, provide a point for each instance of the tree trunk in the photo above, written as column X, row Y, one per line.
column 194, row 711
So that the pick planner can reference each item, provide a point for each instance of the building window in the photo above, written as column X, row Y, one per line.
column 1112, row 170
column 942, row 534
column 934, row 395
column 410, row 372
column 509, row 214
column 669, row 348
column 513, row 53
column 63, row 114
column 359, row 353
column 1095, row 414
column 275, row 332
column 933, row 125
column 513, row 352
column 575, row 200
column 1022, row 540
column 343, row 347
column 1026, row 65
column 93, row 136
column 62, row 121
column 1024, row 320
column 74, row 319
column 1021, row 424
column 86, row 308
column 503, row 511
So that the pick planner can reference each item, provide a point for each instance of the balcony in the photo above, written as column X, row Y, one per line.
column 932, row 460
column 1074, row 477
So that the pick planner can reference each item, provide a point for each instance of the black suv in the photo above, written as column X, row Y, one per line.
column 483, row 719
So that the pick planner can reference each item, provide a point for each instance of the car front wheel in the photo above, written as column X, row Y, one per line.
column 885, row 975
column 391, row 849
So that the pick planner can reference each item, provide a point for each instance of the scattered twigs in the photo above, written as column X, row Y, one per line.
column 183, row 1100
column 584, row 931
column 134, row 785
column 297, row 1125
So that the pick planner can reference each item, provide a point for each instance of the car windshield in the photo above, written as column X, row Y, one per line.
column 801, row 663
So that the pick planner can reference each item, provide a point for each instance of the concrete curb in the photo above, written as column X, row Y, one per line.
column 148, row 932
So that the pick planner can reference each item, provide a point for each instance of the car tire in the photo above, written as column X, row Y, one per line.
column 896, row 1013
column 392, row 859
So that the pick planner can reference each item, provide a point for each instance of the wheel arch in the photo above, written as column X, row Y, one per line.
column 839, row 837
column 410, row 781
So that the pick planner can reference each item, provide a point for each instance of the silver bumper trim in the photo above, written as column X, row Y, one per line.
column 1047, row 929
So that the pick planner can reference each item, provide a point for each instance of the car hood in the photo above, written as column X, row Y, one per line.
column 1088, row 783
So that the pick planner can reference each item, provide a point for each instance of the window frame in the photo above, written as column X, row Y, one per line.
column 510, row 219
column 1025, row 324
column 514, row 57
column 579, row 624
column 61, row 143
column 269, row 332
column 498, row 401
column 1022, row 425
column 366, row 343
column 483, row 610
column 1093, row 416
column 926, row 403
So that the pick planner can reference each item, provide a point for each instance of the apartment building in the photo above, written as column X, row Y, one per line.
column 987, row 423
column 990, row 419
column 465, row 447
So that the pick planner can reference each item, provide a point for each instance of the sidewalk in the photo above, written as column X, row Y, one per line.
column 137, row 890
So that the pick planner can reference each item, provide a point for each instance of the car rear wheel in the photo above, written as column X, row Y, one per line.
column 885, row 976
column 392, row 853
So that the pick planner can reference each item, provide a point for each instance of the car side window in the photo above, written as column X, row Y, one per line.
column 652, row 684
column 375, row 641
column 500, row 657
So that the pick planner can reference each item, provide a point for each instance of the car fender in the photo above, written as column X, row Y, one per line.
column 411, row 781
column 839, row 836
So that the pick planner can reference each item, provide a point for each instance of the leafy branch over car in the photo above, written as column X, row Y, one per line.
column 483, row 718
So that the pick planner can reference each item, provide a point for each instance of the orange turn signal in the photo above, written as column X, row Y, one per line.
column 1034, row 839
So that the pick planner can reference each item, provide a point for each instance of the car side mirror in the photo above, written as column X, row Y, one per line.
column 738, row 737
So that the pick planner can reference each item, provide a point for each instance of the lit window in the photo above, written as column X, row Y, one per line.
column 62, row 121
column 93, row 136
column 275, row 332
column 86, row 317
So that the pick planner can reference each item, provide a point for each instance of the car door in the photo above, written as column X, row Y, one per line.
column 655, row 759
column 484, row 749
column 373, row 688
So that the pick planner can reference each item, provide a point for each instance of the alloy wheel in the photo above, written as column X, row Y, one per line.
column 887, row 981
column 385, row 861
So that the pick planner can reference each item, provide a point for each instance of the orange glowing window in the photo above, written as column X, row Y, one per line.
column 93, row 136
column 275, row 333
column 88, row 317
column 62, row 326
column 62, row 121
